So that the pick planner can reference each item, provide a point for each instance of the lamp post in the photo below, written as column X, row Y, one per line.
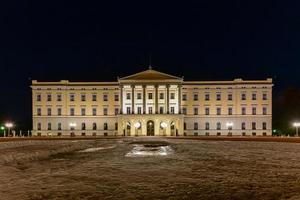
column 8, row 125
column 72, row 127
column 137, row 125
column 3, row 128
column 296, row 125
column 229, row 125
column 164, row 126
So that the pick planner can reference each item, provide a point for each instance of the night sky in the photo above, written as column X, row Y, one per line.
column 200, row 40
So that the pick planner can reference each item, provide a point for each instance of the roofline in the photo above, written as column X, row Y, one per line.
column 126, row 77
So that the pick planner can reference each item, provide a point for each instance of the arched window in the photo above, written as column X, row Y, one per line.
column 49, row 126
column 39, row 126
column 83, row 126
column 105, row 126
column 94, row 126
column 59, row 126
column 219, row 126
column 195, row 126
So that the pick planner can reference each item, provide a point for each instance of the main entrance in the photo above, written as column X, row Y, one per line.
column 150, row 128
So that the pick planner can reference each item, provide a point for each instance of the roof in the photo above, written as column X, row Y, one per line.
column 151, row 74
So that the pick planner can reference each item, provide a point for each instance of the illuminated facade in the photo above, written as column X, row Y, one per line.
column 151, row 103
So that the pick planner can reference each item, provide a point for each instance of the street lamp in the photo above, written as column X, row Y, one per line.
column 137, row 125
column 164, row 125
column 296, row 125
column 3, row 128
column 229, row 125
column 8, row 125
column 72, row 125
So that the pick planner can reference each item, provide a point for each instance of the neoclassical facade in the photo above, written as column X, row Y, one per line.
column 152, row 103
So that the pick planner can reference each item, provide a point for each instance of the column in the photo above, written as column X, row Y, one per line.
column 144, row 99
column 179, row 99
column 168, row 98
column 132, row 99
column 121, row 99
column 156, row 99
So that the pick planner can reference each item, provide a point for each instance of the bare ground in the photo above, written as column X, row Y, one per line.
column 198, row 169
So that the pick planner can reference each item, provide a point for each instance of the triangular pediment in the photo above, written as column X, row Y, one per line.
column 150, row 74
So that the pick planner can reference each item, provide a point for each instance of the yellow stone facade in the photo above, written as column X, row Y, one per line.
column 152, row 103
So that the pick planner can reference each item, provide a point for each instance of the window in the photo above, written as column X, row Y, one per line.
column 265, row 96
column 59, row 126
column 184, row 126
column 38, row 97
column 172, row 110
column 218, row 125
column 206, row 126
column 83, row 97
column 253, row 126
column 243, row 96
column 105, row 126
column 243, row 126
column 128, row 95
column 59, row 111
column 172, row 95
column 116, row 111
column 72, row 111
column 230, row 111
column 58, row 97
column 184, row 97
column 264, row 110
column 72, row 97
column 82, row 126
column 206, row 111
column 218, row 97
column 83, row 111
column 94, row 111
column 161, row 95
column 229, row 97
column 116, row 97
column 206, row 97
column 39, row 126
column 218, row 111
column 243, row 110
column 195, row 97
column 49, row 97
column 161, row 110
column 150, row 110
column 104, row 111
column 48, row 111
column 254, row 111
column 264, row 125
column 39, row 111
column 116, row 126
column 105, row 97
column 150, row 95
column 94, row 126
column 94, row 97
column 253, row 96
column 184, row 111
column 195, row 111
column 195, row 126
column 128, row 110
column 139, row 95
column 49, row 126
column 139, row 109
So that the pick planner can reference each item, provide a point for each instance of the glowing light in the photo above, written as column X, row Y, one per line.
column 137, row 125
column 229, row 124
column 73, row 124
column 163, row 124
column 2, row 128
column 9, row 125
column 296, row 124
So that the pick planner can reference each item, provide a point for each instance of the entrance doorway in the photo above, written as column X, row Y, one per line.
column 150, row 128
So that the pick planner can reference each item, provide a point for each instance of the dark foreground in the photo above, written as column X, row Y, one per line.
column 195, row 169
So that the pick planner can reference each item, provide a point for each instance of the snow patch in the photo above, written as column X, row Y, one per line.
column 96, row 149
column 144, row 150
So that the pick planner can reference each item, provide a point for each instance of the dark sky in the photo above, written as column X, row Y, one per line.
column 81, row 40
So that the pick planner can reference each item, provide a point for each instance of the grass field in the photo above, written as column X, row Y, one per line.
column 193, row 169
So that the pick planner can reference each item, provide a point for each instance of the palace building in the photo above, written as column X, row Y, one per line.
column 152, row 103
